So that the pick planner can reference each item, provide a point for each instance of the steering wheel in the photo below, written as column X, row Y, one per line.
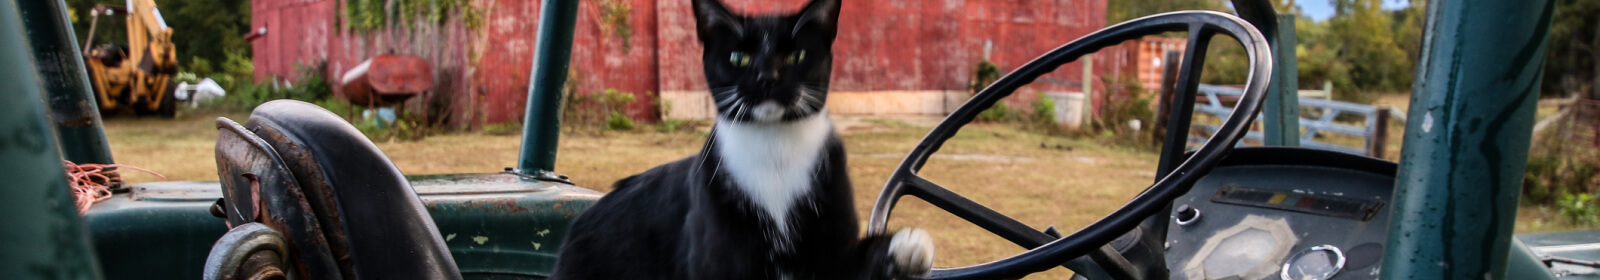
column 1046, row 251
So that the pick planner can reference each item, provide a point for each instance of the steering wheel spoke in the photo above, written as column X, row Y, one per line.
column 974, row 212
column 1175, row 174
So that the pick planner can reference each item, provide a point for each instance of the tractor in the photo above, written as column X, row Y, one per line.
column 136, row 75
column 302, row 195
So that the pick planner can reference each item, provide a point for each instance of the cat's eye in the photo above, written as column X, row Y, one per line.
column 739, row 59
column 796, row 57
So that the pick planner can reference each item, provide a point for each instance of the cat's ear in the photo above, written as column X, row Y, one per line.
column 710, row 16
column 819, row 16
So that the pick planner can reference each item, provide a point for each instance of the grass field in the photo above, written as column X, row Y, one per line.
column 1038, row 179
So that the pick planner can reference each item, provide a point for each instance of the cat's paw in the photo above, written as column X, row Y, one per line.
column 912, row 252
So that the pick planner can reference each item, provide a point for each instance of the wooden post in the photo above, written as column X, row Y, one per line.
column 1169, row 80
column 1380, row 134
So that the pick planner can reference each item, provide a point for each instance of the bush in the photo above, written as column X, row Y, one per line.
column 602, row 110
column 1580, row 209
column 1044, row 112
column 1000, row 112
column 1125, row 101
column 619, row 121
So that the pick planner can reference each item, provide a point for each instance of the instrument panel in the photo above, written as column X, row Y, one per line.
column 1283, row 213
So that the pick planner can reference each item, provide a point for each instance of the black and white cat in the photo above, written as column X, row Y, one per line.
column 768, row 196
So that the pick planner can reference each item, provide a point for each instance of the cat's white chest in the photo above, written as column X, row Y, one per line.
column 774, row 164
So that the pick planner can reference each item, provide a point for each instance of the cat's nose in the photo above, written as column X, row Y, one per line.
column 768, row 77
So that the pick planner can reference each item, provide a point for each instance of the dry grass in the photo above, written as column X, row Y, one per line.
column 1039, row 180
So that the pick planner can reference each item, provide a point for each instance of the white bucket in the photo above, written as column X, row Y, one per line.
column 1069, row 108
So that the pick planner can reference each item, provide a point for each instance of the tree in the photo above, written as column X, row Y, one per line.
column 1572, row 64
column 204, row 30
column 1364, row 38
column 1124, row 10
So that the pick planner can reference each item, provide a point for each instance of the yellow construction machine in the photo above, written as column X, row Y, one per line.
column 136, row 76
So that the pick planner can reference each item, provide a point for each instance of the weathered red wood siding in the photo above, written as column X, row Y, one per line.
column 891, row 45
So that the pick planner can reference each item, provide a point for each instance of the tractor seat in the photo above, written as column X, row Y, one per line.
column 369, row 217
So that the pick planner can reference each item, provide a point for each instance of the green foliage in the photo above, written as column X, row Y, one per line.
column 1580, row 209
column 200, row 66
column 1556, row 167
column 1040, row 114
column 985, row 74
column 1125, row 101
column 604, row 110
column 614, row 16
column 367, row 15
column 1362, row 50
column 244, row 95
column 202, row 29
column 1574, row 50
column 1365, row 38
column 1044, row 111
column 1124, row 10
column 185, row 77
column 503, row 129
column 1000, row 112
column 405, row 128
column 675, row 125
column 237, row 70
column 619, row 121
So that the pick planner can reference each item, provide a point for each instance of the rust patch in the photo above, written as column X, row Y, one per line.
column 495, row 205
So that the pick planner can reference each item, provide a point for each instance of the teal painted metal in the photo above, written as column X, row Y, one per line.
column 1281, row 122
column 498, row 226
column 43, row 237
column 65, row 82
column 1281, row 114
column 542, row 124
column 1466, row 143
column 1524, row 264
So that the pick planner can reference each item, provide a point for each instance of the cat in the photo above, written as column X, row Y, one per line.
column 768, row 196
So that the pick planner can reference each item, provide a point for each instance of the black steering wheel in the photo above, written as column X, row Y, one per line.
column 1046, row 251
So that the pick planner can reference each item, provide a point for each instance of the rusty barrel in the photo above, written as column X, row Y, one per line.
column 386, row 80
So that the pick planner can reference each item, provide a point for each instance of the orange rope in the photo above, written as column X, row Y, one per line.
column 89, row 181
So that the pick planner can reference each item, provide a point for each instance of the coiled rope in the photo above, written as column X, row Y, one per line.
column 89, row 181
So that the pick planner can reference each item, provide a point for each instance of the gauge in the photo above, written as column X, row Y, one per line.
column 1316, row 263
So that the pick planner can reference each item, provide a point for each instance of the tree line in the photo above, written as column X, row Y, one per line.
column 1364, row 49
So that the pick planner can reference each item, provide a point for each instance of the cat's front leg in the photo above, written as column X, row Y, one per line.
column 911, row 251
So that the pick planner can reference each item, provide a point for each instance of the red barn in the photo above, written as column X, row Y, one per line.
column 892, row 56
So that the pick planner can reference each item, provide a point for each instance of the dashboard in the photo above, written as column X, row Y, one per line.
column 1283, row 213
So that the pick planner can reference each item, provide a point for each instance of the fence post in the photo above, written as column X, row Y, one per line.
column 1281, row 121
column 1169, row 78
column 1380, row 134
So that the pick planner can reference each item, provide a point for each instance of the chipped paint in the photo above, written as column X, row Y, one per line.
column 535, row 245
column 480, row 239
column 507, row 205
column 447, row 238
column 544, row 232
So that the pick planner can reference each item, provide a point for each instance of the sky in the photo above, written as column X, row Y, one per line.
column 1320, row 10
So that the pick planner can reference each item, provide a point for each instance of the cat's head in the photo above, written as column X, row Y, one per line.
column 768, row 68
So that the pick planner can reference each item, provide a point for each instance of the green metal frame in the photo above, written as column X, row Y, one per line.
column 1466, row 144
column 541, row 127
column 43, row 238
column 1280, row 119
column 65, row 81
